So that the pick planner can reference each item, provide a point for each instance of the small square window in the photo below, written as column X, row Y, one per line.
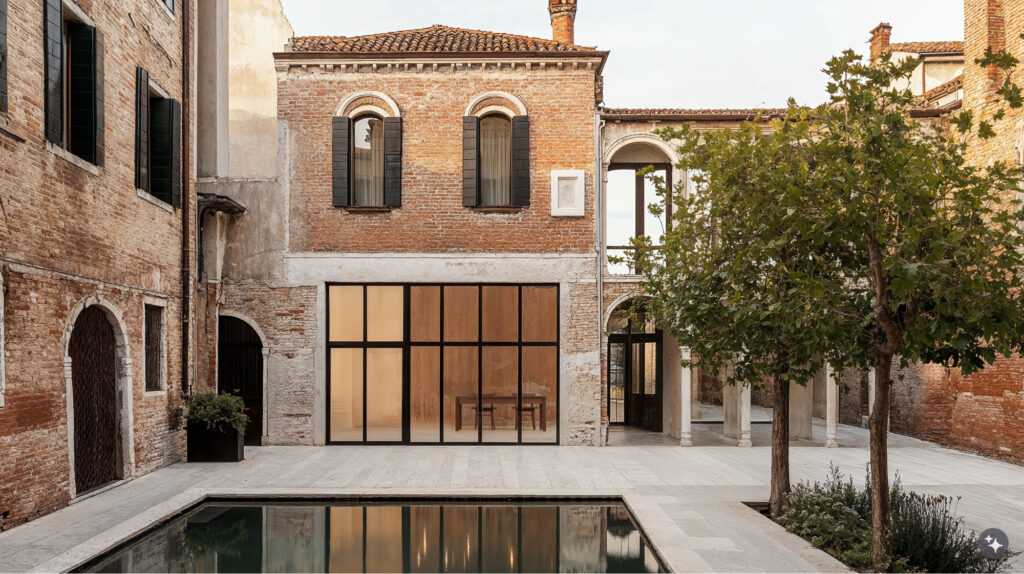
column 567, row 193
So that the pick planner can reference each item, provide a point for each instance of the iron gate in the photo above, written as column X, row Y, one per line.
column 94, row 387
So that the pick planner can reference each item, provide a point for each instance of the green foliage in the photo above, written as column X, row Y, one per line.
column 927, row 534
column 217, row 412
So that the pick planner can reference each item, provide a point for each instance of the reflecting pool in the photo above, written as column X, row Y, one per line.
column 347, row 536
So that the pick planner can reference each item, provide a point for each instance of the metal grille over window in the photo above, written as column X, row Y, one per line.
column 154, row 347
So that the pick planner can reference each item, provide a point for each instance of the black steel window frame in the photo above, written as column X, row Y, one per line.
column 441, row 345
column 640, row 200
column 627, row 340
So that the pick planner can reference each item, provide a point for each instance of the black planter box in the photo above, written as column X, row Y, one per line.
column 206, row 445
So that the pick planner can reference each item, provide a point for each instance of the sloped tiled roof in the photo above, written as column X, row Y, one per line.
column 438, row 39
column 710, row 113
column 928, row 47
column 949, row 87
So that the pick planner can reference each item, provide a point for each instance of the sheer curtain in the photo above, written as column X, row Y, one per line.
column 495, row 161
column 368, row 162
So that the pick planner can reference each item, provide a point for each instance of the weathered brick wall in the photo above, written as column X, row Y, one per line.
column 67, row 234
column 288, row 318
column 561, row 107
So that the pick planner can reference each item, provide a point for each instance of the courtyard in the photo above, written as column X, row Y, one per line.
column 690, row 501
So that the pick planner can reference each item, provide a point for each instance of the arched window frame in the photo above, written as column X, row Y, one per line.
column 346, row 115
column 360, row 114
column 511, row 107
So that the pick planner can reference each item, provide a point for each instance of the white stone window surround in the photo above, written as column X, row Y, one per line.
column 162, row 305
column 568, row 193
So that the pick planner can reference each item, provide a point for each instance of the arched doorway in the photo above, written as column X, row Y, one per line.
column 240, row 371
column 92, row 349
column 635, row 379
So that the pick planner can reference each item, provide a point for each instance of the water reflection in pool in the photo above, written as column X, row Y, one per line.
column 390, row 537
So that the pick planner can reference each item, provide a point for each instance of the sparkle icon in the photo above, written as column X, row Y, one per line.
column 992, row 543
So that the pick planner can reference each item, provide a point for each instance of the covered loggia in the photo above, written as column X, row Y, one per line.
column 646, row 389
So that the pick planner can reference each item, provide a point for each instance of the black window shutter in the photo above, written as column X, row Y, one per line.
column 98, row 93
column 470, row 161
column 53, row 40
column 165, row 143
column 393, row 162
column 341, row 130
column 85, row 105
column 521, row 161
column 142, row 129
column 3, row 55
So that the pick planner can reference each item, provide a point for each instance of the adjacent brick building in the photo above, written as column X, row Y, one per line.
column 94, row 270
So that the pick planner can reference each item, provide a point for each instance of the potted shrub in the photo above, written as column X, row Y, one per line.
column 216, row 428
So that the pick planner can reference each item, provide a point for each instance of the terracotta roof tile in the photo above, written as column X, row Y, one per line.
column 949, row 87
column 433, row 39
column 928, row 47
column 709, row 112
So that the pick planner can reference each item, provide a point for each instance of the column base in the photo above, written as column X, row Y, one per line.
column 744, row 442
column 831, row 443
column 685, row 441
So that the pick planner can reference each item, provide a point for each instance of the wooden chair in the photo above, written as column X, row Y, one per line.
column 484, row 409
column 532, row 409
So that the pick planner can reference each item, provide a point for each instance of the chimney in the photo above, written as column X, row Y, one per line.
column 880, row 37
column 563, row 20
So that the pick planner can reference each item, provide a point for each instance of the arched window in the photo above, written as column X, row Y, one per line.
column 495, row 161
column 368, row 161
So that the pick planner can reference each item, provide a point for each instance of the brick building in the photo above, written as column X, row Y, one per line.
column 983, row 412
column 95, row 245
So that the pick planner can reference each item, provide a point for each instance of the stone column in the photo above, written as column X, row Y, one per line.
column 744, row 396
column 801, row 409
column 265, row 439
column 831, row 408
column 685, row 394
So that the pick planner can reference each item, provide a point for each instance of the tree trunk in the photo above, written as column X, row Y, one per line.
column 881, row 519
column 780, row 447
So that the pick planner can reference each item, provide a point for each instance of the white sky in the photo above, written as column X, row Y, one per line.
column 672, row 53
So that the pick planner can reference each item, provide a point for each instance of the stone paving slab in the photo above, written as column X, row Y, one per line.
column 688, row 500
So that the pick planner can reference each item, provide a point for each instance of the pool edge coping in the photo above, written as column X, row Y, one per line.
column 109, row 539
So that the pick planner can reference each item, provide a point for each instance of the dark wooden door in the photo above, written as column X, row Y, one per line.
column 92, row 349
column 635, row 380
column 240, row 371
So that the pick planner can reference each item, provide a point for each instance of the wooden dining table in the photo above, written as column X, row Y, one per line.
column 540, row 401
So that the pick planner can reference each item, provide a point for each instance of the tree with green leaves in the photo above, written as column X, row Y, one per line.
column 932, row 244
column 900, row 248
column 737, row 280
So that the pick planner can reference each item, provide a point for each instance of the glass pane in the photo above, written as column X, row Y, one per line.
column 495, row 161
column 346, row 395
column 650, row 368
column 539, row 544
column 498, row 403
column 460, row 538
column 425, row 314
column 383, row 394
column 540, row 394
column 424, row 537
column 654, row 226
column 346, row 320
column 617, row 383
column 637, row 368
column 385, row 313
column 500, row 314
column 499, row 538
column 425, row 394
column 346, row 542
column 368, row 161
column 461, row 314
column 383, row 538
column 621, row 199
column 540, row 314
column 460, row 394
